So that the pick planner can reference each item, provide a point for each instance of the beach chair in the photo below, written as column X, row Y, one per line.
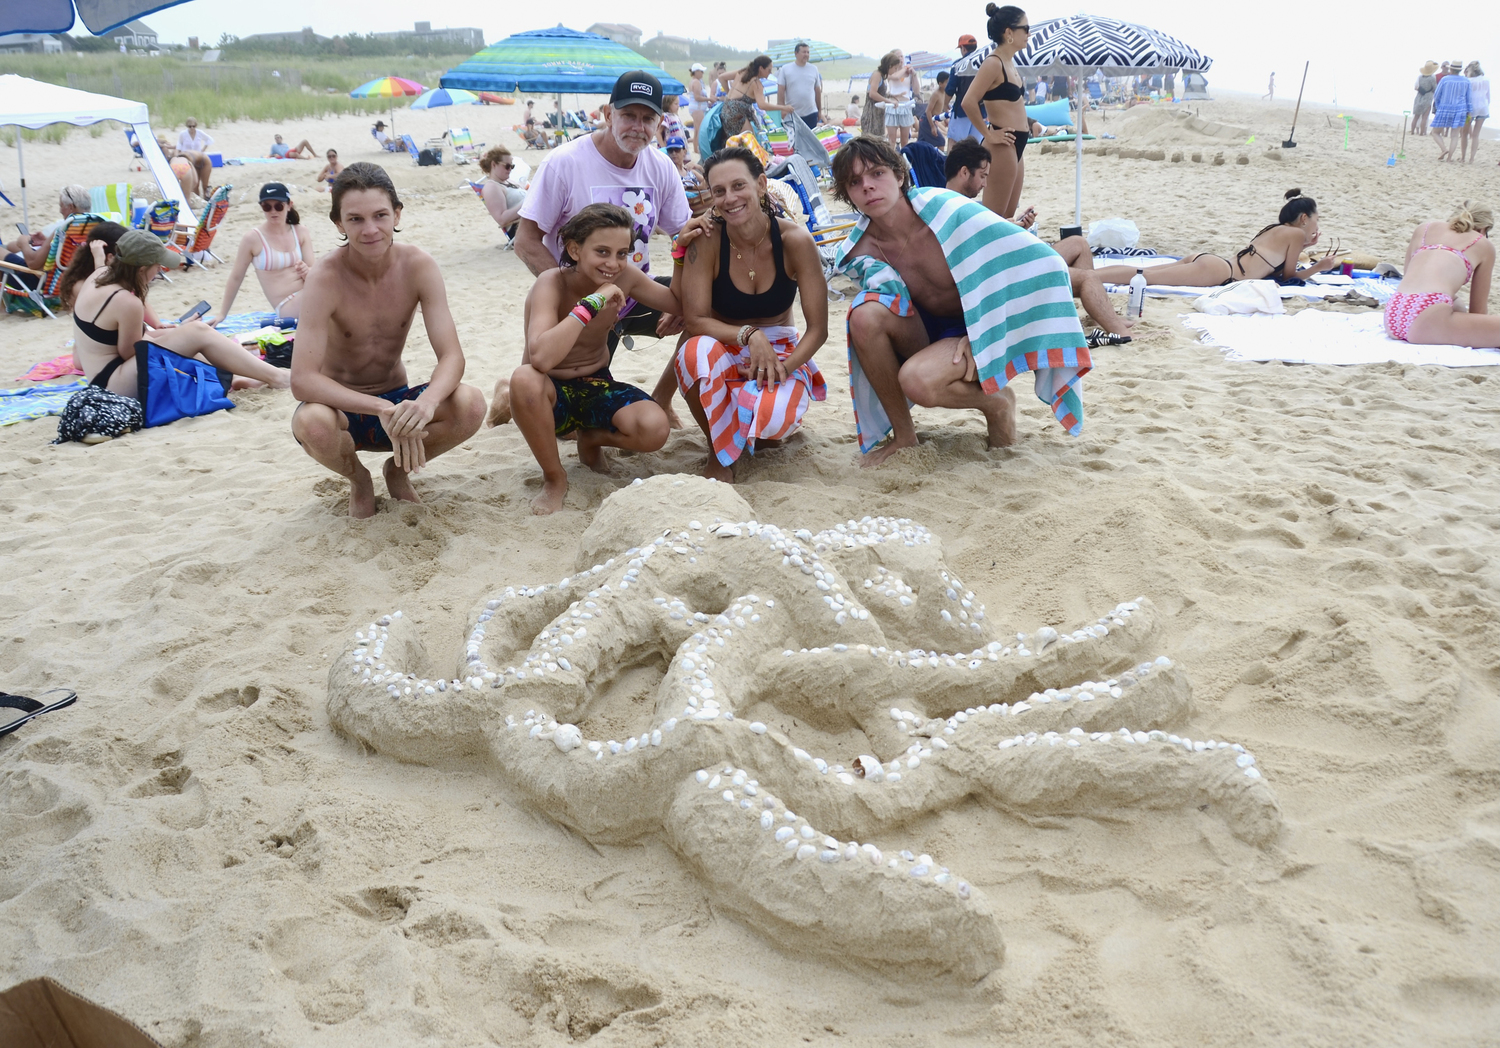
column 41, row 300
column 826, row 227
column 926, row 162
column 112, row 201
column 465, row 149
column 389, row 147
column 197, row 241
column 138, row 161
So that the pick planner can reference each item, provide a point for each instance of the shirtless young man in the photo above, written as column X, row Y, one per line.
column 357, row 308
column 925, row 357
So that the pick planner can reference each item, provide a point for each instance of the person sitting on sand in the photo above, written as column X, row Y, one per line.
column 280, row 248
column 283, row 151
column 746, row 374
column 535, row 137
column 1272, row 255
column 698, row 196
column 966, row 168
column 347, row 372
column 932, row 325
column 501, row 199
column 331, row 170
column 563, row 385
column 108, row 345
column 1440, row 260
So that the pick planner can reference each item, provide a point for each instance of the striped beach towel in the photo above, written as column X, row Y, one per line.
column 1017, row 299
column 740, row 412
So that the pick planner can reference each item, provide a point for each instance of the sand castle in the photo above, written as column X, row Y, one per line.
column 727, row 654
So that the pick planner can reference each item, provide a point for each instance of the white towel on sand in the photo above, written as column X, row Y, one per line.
column 1316, row 336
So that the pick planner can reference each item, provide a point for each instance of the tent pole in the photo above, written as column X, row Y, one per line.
column 21, row 160
column 1078, row 158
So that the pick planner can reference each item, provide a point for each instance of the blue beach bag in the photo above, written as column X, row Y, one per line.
column 174, row 387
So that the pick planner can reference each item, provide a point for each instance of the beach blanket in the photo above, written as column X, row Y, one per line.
column 1316, row 336
column 1324, row 285
column 1018, row 307
column 240, row 161
column 47, row 370
column 23, row 405
column 239, row 323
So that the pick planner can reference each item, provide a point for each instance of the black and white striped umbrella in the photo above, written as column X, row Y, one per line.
column 1080, row 44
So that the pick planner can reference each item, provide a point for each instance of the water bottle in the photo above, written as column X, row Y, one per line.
column 1137, row 294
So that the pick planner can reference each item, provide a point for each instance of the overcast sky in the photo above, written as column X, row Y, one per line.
column 1363, row 56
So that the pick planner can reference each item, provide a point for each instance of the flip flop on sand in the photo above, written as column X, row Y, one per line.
column 31, row 708
column 1099, row 337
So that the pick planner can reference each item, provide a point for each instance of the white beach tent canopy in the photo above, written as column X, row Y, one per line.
column 34, row 104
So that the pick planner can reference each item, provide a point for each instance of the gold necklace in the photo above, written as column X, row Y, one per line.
column 758, row 243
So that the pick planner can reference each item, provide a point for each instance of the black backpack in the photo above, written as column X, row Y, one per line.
column 429, row 158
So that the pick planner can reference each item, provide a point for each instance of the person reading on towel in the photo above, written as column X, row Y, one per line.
column 1272, row 255
column 966, row 169
column 112, row 295
column 303, row 150
column 746, row 373
column 563, row 385
column 347, row 371
column 279, row 249
column 1441, row 258
column 921, row 332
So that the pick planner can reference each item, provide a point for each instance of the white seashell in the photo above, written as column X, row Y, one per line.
column 829, row 855
column 728, row 796
column 920, row 870
column 851, row 851
column 1253, row 773
column 566, row 737
column 782, row 834
column 846, row 778
column 766, row 820
column 963, row 890
column 1244, row 760
column 807, row 832
column 806, row 851
column 631, row 743
column 702, row 776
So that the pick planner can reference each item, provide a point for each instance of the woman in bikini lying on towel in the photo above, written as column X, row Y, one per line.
column 1440, row 260
column 280, row 249
column 1272, row 255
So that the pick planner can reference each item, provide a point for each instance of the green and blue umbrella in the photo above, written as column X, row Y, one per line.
column 553, row 61
column 819, row 51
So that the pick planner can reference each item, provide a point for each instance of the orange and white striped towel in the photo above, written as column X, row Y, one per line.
column 740, row 411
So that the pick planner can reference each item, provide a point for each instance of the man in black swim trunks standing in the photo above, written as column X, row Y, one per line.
column 357, row 308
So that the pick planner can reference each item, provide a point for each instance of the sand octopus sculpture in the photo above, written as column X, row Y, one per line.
column 779, row 705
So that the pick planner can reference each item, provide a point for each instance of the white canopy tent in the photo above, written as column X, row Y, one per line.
column 33, row 104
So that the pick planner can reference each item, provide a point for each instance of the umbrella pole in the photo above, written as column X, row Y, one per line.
column 21, row 160
column 1078, row 161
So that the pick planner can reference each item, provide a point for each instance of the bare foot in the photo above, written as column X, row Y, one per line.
column 591, row 451
column 886, row 450
column 673, row 422
column 398, row 482
column 283, row 379
column 362, row 495
column 551, row 498
column 499, row 413
column 716, row 470
column 1000, row 418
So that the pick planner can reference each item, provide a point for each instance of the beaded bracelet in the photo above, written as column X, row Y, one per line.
column 587, row 308
column 745, row 333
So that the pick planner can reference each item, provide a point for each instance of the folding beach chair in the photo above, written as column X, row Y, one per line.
column 5, row 198
column 826, row 228
column 112, row 201
column 465, row 149
column 926, row 162
column 197, row 241
column 72, row 235
column 389, row 147
column 138, row 161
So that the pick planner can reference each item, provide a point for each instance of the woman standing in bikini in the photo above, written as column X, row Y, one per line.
column 1440, row 260
column 280, row 248
column 1272, row 255
column 114, row 297
column 998, row 88
column 746, row 96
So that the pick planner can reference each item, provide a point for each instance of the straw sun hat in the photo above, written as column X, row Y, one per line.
column 1429, row 68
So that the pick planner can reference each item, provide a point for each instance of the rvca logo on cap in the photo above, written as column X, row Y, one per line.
column 639, row 88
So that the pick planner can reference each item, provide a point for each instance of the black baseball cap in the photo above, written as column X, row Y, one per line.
column 275, row 191
column 637, row 88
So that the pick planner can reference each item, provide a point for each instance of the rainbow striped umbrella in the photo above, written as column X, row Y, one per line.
column 391, row 87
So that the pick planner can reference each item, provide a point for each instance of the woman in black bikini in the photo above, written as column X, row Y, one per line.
column 1272, row 254
column 997, row 87
column 746, row 374
column 114, row 296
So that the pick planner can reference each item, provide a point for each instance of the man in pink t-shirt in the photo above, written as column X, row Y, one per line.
column 619, row 165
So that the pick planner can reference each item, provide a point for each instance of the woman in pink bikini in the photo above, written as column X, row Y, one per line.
column 1440, row 260
column 281, row 252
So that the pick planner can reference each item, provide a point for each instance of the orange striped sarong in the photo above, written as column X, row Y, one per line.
column 740, row 411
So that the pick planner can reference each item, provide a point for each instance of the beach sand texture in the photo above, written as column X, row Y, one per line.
column 193, row 844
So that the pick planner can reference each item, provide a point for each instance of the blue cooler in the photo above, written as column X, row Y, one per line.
column 217, row 159
column 138, row 216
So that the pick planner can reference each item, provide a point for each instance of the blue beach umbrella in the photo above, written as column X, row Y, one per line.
column 442, row 96
column 554, row 61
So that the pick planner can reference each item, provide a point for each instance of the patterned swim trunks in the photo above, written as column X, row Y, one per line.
column 590, row 401
column 368, row 432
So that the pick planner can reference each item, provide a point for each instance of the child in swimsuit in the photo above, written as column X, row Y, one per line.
column 563, row 385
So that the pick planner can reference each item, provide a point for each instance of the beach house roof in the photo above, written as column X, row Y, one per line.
column 29, row 43
column 134, row 34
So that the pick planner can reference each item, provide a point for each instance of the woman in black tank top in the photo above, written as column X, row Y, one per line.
column 746, row 373
column 995, row 107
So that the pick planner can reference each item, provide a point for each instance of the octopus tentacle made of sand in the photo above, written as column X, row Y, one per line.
column 778, row 705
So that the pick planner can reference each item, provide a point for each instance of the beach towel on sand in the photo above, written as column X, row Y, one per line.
column 47, row 370
column 1315, row 336
column 1018, row 307
column 23, row 405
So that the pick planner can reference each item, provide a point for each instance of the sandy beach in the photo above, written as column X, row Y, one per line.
column 194, row 845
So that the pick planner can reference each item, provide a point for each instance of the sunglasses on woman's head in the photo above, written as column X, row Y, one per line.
column 271, row 205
